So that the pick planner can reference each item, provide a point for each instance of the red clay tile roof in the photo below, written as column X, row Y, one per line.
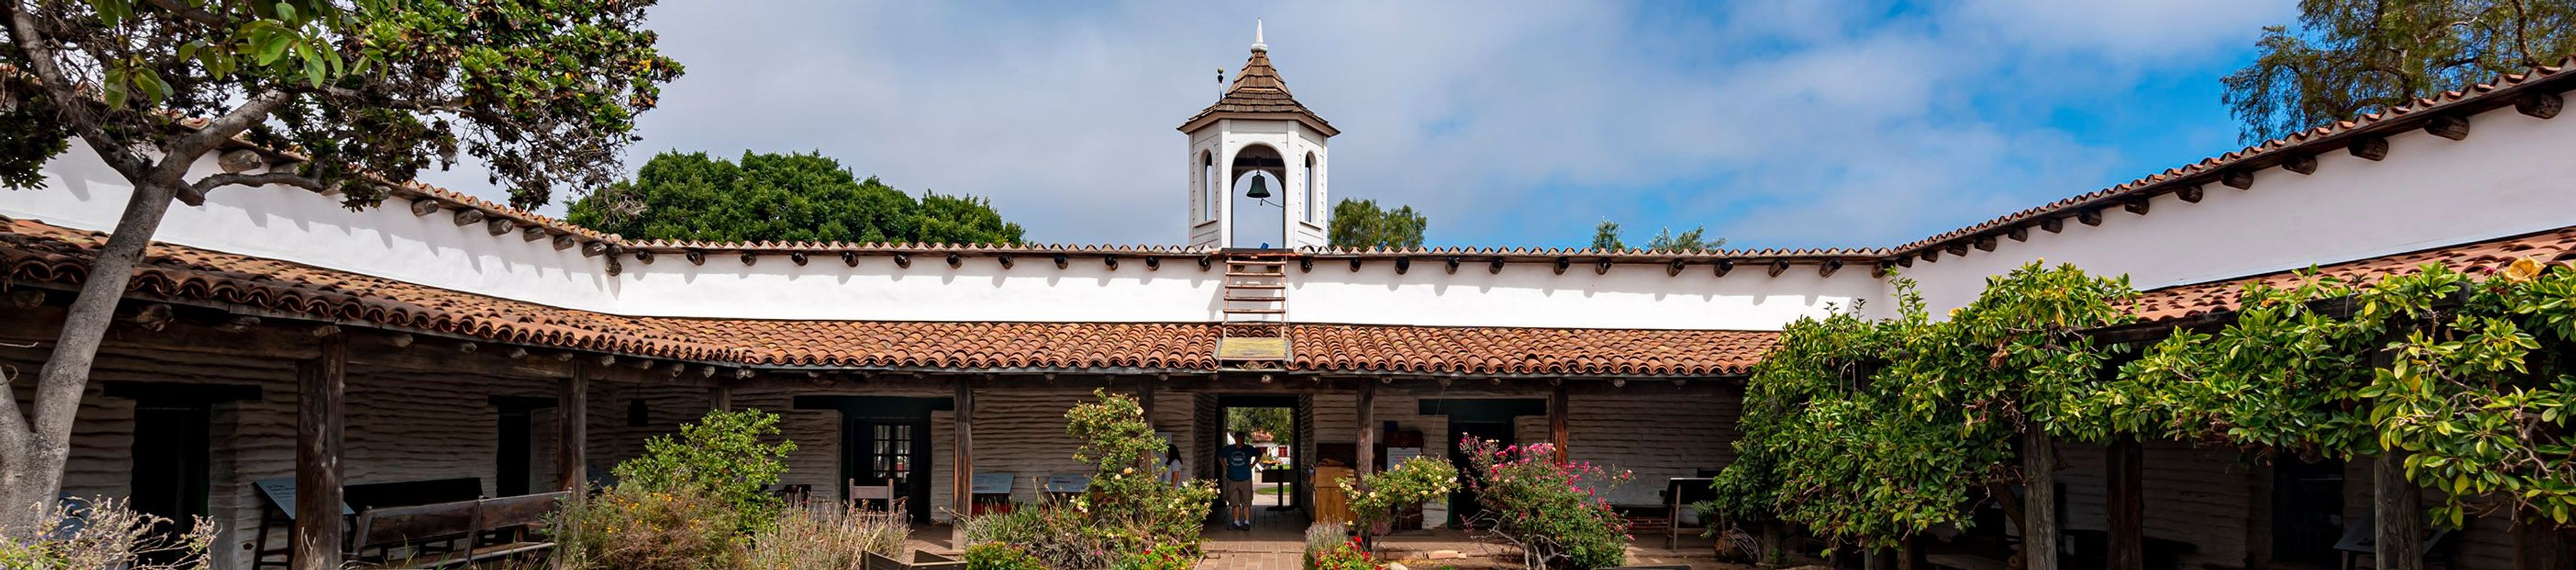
column 32, row 251
column 2185, row 301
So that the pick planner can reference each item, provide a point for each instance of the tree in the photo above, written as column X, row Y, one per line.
column 1605, row 236
column 1361, row 224
column 1278, row 422
column 780, row 197
column 343, row 97
column 2351, row 57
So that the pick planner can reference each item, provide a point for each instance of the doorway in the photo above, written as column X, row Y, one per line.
column 1484, row 418
column 2307, row 510
column 1283, row 488
column 171, row 443
column 512, row 473
column 885, row 440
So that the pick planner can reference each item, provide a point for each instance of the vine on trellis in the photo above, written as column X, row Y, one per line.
column 1870, row 430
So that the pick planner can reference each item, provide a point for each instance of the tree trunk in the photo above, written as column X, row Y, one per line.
column 32, row 454
column 2126, row 505
column 2039, row 475
column 2397, row 510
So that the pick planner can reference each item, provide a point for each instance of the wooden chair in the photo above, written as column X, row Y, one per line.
column 883, row 495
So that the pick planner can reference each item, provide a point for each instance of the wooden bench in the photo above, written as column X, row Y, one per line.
column 920, row 561
column 452, row 533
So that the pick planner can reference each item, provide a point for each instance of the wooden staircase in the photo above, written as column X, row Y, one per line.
column 1253, row 333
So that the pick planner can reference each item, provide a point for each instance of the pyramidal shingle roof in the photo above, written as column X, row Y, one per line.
column 1258, row 92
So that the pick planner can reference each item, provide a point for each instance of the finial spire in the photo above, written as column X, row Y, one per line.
column 1256, row 36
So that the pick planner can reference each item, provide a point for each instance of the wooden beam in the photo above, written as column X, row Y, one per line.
column 321, row 406
column 498, row 226
column 2397, row 512
column 533, row 233
column 1778, row 266
column 468, row 217
column 2542, row 105
column 424, row 207
column 572, row 450
column 2125, row 504
column 2138, row 205
column 1722, row 267
column 1828, row 268
column 1986, row 243
column 2370, row 148
column 564, row 242
column 1557, row 434
column 594, row 249
column 2450, row 127
column 961, row 489
column 2190, row 193
column 2238, row 179
column 2039, row 504
column 720, row 398
column 2300, row 163
column 2052, row 224
column 1367, row 445
column 2090, row 216
column 2018, row 233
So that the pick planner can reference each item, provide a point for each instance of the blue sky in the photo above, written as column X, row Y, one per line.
column 1774, row 124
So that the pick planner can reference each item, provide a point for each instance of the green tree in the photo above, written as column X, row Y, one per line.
column 2350, row 57
column 1605, row 236
column 780, row 197
column 1278, row 422
column 723, row 456
column 1362, row 224
column 365, row 92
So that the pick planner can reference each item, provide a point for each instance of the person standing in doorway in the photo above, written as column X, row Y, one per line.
column 1239, row 460
column 1172, row 464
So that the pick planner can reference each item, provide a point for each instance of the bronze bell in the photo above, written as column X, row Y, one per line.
column 1259, row 190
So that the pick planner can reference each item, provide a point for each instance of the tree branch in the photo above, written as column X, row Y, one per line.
column 191, row 13
column 57, row 84
column 212, row 182
column 184, row 152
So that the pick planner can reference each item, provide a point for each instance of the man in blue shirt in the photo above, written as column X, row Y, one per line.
column 1239, row 460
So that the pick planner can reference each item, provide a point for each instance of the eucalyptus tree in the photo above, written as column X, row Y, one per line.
column 2349, row 57
column 342, row 96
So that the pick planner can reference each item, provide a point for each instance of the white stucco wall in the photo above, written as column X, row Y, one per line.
column 1524, row 294
column 2508, row 177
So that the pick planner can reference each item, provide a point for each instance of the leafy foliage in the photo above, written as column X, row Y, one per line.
column 2350, row 57
column 1131, row 506
column 1362, row 224
column 781, row 197
column 1280, row 423
column 1345, row 555
column 1051, row 534
column 721, row 457
column 1000, row 556
column 1605, row 236
column 1868, row 430
column 105, row 533
column 1413, row 482
column 1552, row 510
column 1158, row 557
column 629, row 527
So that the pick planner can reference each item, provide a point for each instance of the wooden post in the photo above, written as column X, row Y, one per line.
column 573, row 448
column 961, row 491
column 2537, row 544
column 1145, row 400
column 722, row 396
column 1368, row 432
column 2397, row 512
column 2039, row 504
column 1556, row 431
column 320, row 414
column 2127, row 505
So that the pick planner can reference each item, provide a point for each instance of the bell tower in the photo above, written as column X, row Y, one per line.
column 1258, row 142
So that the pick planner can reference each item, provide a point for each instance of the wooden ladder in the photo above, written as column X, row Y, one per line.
column 1253, row 333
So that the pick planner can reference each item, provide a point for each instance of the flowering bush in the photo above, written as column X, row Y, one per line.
column 999, row 556
column 1552, row 510
column 103, row 534
column 1164, row 557
column 1131, row 505
column 1347, row 555
column 1413, row 482
column 1322, row 538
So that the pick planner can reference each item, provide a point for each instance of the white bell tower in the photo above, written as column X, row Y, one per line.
column 1257, row 136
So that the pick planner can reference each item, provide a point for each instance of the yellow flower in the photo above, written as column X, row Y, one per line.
column 2521, row 270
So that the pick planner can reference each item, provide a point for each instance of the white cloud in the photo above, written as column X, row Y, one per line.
column 1777, row 123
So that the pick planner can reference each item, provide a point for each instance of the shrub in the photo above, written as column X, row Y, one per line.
column 1054, row 534
column 999, row 556
column 1162, row 557
column 1551, row 510
column 1413, row 482
column 828, row 538
column 104, row 534
column 720, row 457
column 1348, row 555
column 1322, row 538
column 628, row 527
column 1130, row 506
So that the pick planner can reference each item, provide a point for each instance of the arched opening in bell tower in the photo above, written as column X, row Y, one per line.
column 1260, row 197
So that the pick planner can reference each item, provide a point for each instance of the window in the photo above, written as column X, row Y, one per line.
column 1210, row 189
column 1314, row 204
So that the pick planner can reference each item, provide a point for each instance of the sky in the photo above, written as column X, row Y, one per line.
column 1807, row 123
